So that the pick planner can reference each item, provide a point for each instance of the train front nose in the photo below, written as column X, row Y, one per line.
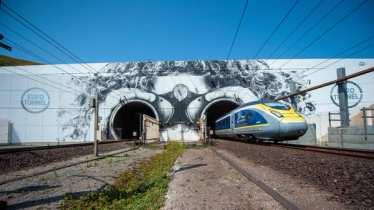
column 293, row 130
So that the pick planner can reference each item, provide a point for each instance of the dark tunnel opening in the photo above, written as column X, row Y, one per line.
column 127, row 119
column 217, row 110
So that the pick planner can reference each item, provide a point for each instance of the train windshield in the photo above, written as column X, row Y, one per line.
column 277, row 105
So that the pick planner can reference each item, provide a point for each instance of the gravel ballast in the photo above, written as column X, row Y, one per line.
column 29, row 159
column 349, row 179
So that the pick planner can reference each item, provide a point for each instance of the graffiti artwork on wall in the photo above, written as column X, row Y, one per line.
column 180, row 91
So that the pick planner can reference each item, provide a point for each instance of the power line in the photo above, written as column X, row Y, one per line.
column 29, row 52
column 26, row 23
column 46, row 37
column 298, row 26
column 25, row 50
column 320, row 36
column 343, row 52
column 337, row 55
column 276, row 28
column 312, row 27
column 338, row 60
column 37, row 46
column 35, row 75
column 237, row 29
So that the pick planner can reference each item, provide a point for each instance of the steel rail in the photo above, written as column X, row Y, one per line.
column 113, row 153
column 33, row 148
column 358, row 153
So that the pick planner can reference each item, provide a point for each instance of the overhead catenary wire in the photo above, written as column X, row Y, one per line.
column 47, row 38
column 237, row 29
column 15, row 45
column 29, row 52
column 25, row 50
column 40, row 33
column 341, row 54
column 321, row 35
column 311, row 28
column 41, row 80
column 338, row 60
column 289, row 11
column 36, row 80
column 7, row 27
column 297, row 27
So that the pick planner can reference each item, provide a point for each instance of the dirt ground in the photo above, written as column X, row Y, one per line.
column 47, row 190
column 202, row 180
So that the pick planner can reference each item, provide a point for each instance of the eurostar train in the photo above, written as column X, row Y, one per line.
column 272, row 121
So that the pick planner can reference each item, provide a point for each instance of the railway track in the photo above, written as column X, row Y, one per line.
column 358, row 153
column 54, row 169
column 19, row 158
column 369, row 154
column 35, row 148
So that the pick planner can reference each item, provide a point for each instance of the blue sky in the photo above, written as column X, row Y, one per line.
column 120, row 30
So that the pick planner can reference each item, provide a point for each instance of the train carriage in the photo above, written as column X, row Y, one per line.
column 266, row 121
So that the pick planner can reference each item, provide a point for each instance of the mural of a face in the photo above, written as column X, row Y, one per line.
column 181, row 91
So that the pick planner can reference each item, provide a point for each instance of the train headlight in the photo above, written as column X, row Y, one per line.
column 277, row 114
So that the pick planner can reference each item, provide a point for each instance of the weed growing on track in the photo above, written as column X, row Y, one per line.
column 142, row 187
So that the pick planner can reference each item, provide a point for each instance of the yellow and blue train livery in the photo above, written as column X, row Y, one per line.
column 266, row 121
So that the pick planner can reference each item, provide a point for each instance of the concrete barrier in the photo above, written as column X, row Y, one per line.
column 351, row 137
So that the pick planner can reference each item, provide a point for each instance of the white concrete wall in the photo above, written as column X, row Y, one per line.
column 58, row 121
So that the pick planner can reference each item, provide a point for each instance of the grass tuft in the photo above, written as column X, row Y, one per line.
column 142, row 187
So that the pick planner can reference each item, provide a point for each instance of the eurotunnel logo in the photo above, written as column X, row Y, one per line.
column 35, row 100
column 354, row 93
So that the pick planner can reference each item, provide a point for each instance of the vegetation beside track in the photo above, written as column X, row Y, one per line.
column 142, row 187
column 10, row 61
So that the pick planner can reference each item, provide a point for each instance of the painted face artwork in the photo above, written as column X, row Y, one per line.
column 181, row 91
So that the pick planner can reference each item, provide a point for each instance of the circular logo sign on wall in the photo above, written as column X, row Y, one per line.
column 354, row 93
column 35, row 100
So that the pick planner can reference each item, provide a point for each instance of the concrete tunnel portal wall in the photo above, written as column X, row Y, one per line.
column 176, row 91
column 125, row 120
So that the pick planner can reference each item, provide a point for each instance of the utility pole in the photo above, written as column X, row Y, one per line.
column 343, row 99
column 293, row 90
column 2, row 45
column 95, row 106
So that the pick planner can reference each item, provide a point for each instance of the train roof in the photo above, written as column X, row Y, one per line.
column 261, row 101
column 242, row 106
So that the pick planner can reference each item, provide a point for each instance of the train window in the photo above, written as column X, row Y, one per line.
column 224, row 123
column 277, row 105
column 248, row 117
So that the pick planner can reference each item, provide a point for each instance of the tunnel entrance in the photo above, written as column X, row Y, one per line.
column 217, row 109
column 126, row 121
